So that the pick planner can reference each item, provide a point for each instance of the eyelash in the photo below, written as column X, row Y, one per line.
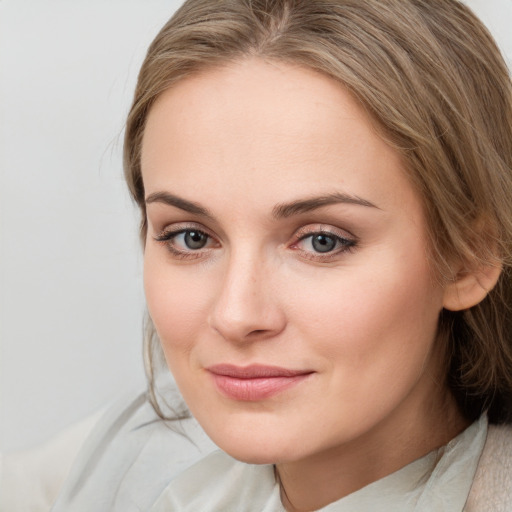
column 343, row 244
column 167, row 236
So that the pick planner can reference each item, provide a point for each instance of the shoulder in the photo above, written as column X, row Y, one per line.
column 498, row 447
column 31, row 479
column 129, row 458
column 492, row 486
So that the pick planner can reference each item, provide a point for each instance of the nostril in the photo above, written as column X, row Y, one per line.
column 257, row 332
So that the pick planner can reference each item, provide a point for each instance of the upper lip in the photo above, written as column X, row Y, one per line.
column 254, row 371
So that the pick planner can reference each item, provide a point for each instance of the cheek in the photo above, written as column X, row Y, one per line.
column 177, row 304
column 375, row 336
column 373, row 319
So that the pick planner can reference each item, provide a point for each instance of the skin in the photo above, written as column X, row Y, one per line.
column 240, row 141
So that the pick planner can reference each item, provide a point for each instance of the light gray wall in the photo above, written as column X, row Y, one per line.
column 71, row 299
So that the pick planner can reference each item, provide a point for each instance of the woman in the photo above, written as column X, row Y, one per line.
column 327, row 227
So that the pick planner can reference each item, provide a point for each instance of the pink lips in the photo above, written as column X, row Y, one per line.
column 255, row 382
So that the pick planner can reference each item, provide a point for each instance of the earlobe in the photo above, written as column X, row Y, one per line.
column 470, row 288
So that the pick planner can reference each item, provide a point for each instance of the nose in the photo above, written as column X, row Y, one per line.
column 247, row 306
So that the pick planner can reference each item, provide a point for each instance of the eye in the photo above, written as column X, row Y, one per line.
column 323, row 244
column 186, row 242
column 193, row 239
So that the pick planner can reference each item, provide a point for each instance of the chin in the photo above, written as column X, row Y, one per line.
column 250, row 455
column 252, row 448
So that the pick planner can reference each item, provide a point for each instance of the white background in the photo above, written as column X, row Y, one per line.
column 71, row 300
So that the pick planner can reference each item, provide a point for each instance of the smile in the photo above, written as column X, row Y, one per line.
column 256, row 382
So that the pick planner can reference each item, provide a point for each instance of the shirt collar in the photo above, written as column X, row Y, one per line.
column 440, row 481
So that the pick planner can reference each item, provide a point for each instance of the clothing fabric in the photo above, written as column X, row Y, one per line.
column 439, row 481
column 492, row 485
column 133, row 462
column 31, row 479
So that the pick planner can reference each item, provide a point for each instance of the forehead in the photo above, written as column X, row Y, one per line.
column 272, row 128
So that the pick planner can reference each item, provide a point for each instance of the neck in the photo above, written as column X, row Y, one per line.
column 328, row 476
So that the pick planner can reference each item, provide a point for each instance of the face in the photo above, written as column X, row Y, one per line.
column 285, row 264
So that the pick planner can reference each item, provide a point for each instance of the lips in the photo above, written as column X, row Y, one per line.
column 256, row 382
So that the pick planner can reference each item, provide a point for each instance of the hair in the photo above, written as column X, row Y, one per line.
column 434, row 82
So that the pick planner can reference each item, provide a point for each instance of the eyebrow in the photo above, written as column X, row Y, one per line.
column 280, row 211
column 178, row 202
column 285, row 210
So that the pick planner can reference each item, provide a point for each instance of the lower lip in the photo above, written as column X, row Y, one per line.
column 253, row 390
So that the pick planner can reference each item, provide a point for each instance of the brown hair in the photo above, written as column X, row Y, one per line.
column 432, row 78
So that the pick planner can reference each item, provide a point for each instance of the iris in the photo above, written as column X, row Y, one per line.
column 323, row 243
column 195, row 239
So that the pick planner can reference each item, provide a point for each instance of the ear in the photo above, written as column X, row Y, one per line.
column 469, row 288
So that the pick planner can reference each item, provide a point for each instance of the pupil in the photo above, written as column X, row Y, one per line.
column 323, row 243
column 195, row 239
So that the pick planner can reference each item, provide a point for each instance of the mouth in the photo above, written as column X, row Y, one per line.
column 256, row 382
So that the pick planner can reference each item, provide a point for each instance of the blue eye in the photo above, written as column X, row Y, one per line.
column 185, row 241
column 194, row 240
column 324, row 243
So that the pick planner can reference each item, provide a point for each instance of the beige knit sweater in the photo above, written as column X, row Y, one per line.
column 492, row 486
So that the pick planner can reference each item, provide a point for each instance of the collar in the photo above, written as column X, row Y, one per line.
column 440, row 481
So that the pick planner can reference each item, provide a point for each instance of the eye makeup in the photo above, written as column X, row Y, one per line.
column 313, row 242
column 323, row 243
column 186, row 241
